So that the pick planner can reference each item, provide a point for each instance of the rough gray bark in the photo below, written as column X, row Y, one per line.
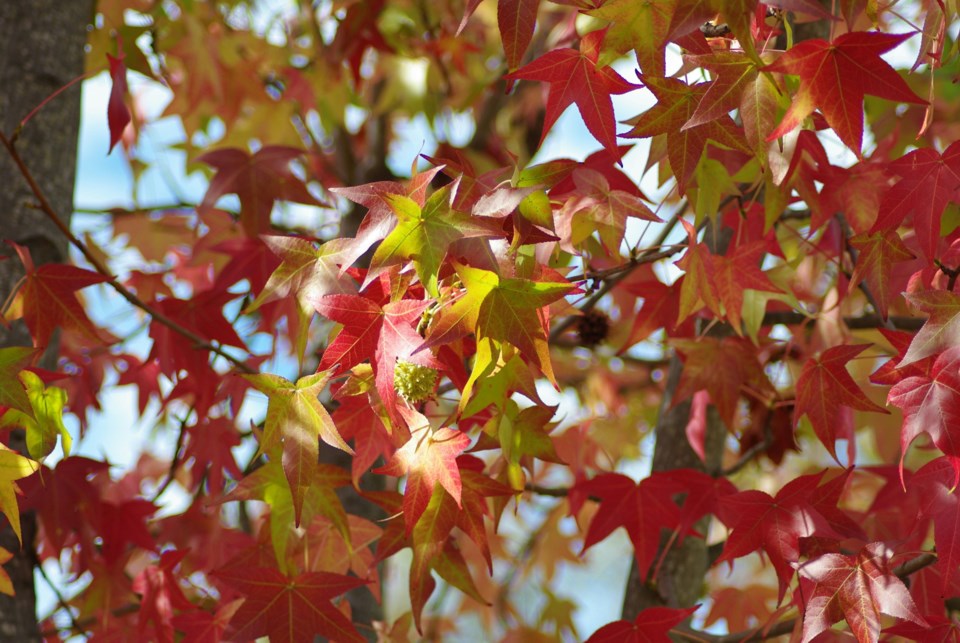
column 41, row 50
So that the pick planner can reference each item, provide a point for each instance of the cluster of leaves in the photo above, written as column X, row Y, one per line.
column 421, row 339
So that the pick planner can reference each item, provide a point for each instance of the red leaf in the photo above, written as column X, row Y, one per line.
column 676, row 104
column 428, row 459
column 703, row 494
column 381, row 335
column 741, row 370
column 939, row 629
column 941, row 330
column 160, row 595
column 642, row 509
column 652, row 625
column 258, row 180
column 856, row 588
column 575, row 77
column 199, row 626
column 834, row 76
column 739, row 271
column 931, row 405
column 824, row 386
column 49, row 300
column 209, row 446
column 929, row 181
column 879, row 251
column 294, row 609
column 118, row 115
column 774, row 525
column 516, row 19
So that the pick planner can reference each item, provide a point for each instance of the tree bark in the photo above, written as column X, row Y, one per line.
column 680, row 579
column 41, row 50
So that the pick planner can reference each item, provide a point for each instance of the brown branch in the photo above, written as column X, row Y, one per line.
column 45, row 207
column 649, row 257
column 951, row 273
column 914, row 565
column 863, row 322
column 552, row 492
column 644, row 257
column 748, row 456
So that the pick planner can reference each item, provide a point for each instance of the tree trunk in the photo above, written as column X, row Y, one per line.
column 41, row 50
column 680, row 578
column 679, row 581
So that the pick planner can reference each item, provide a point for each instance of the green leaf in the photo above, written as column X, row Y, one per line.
column 45, row 422
column 507, row 310
column 14, row 359
column 424, row 234
column 296, row 421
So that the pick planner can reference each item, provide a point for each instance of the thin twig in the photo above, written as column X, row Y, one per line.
column 64, row 605
column 81, row 625
column 175, row 461
column 609, row 283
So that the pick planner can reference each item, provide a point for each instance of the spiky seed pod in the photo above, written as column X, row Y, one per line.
column 414, row 382
column 593, row 327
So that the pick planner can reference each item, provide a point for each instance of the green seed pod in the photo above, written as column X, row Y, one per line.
column 414, row 382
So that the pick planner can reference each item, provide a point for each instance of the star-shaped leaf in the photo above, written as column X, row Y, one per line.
column 516, row 19
column 380, row 334
column 823, row 387
column 598, row 209
column 507, row 310
column 424, row 234
column 931, row 405
column 741, row 370
column 306, row 272
column 835, row 76
column 856, row 588
column 379, row 219
column 652, row 625
column 641, row 27
column 929, row 181
column 258, row 180
column 428, row 459
column 285, row 608
column 643, row 509
column 740, row 270
column 13, row 466
column 44, row 423
column 942, row 328
column 575, row 77
column 13, row 359
column 879, row 251
column 773, row 524
column 676, row 104
column 296, row 422
column 47, row 300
